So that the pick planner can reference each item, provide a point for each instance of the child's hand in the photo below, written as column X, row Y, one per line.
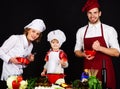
column 43, row 74
column 62, row 62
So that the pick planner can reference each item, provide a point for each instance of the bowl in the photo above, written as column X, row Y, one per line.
column 23, row 60
column 53, row 77
column 90, row 52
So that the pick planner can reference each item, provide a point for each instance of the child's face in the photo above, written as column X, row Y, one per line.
column 55, row 44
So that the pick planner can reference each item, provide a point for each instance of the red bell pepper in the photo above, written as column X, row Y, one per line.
column 15, row 84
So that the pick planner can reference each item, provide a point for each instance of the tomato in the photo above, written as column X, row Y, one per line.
column 19, row 78
column 15, row 84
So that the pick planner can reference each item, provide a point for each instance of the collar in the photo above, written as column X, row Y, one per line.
column 54, row 50
column 96, row 25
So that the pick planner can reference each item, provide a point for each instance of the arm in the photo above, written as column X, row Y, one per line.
column 79, row 53
column 79, row 45
column 43, row 73
column 109, row 51
column 63, row 59
column 6, row 47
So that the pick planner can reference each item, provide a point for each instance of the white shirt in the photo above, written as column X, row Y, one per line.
column 110, row 35
column 14, row 46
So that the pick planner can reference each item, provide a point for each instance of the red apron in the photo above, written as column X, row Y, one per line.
column 96, row 63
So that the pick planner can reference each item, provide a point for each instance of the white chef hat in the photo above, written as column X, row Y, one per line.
column 37, row 24
column 57, row 34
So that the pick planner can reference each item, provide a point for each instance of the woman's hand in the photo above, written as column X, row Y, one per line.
column 14, row 60
column 31, row 57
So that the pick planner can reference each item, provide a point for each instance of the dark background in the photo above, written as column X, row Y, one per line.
column 57, row 14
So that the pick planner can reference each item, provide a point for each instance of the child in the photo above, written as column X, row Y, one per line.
column 56, row 59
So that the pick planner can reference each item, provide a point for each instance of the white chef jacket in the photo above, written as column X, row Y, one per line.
column 110, row 35
column 14, row 46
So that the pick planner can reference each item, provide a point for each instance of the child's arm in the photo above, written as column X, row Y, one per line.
column 63, row 59
column 43, row 72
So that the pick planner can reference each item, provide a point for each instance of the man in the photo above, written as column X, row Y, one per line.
column 99, row 38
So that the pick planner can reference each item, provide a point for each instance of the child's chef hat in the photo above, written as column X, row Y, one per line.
column 36, row 24
column 57, row 34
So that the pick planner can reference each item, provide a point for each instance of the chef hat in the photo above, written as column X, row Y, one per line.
column 90, row 4
column 57, row 34
column 37, row 24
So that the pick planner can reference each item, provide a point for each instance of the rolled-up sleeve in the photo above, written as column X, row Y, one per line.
column 79, row 40
column 113, row 39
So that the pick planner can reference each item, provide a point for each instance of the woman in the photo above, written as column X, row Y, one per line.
column 20, row 46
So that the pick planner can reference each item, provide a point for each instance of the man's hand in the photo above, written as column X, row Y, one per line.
column 96, row 45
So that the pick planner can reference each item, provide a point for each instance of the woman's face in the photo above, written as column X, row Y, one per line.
column 94, row 15
column 32, row 35
column 55, row 44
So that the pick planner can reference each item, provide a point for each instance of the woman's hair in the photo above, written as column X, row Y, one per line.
column 26, row 33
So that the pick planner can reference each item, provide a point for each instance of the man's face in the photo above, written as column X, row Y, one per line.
column 94, row 15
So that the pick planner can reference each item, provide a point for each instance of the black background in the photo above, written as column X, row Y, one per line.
column 57, row 14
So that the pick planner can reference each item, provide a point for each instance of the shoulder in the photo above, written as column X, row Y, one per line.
column 14, row 37
column 108, row 27
column 82, row 29
column 62, row 52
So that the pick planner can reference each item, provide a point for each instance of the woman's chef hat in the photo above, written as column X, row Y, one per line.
column 36, row 24
column 57, row 34
column 90, row 4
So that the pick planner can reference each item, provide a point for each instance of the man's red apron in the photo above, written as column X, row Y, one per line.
column 96, row 63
